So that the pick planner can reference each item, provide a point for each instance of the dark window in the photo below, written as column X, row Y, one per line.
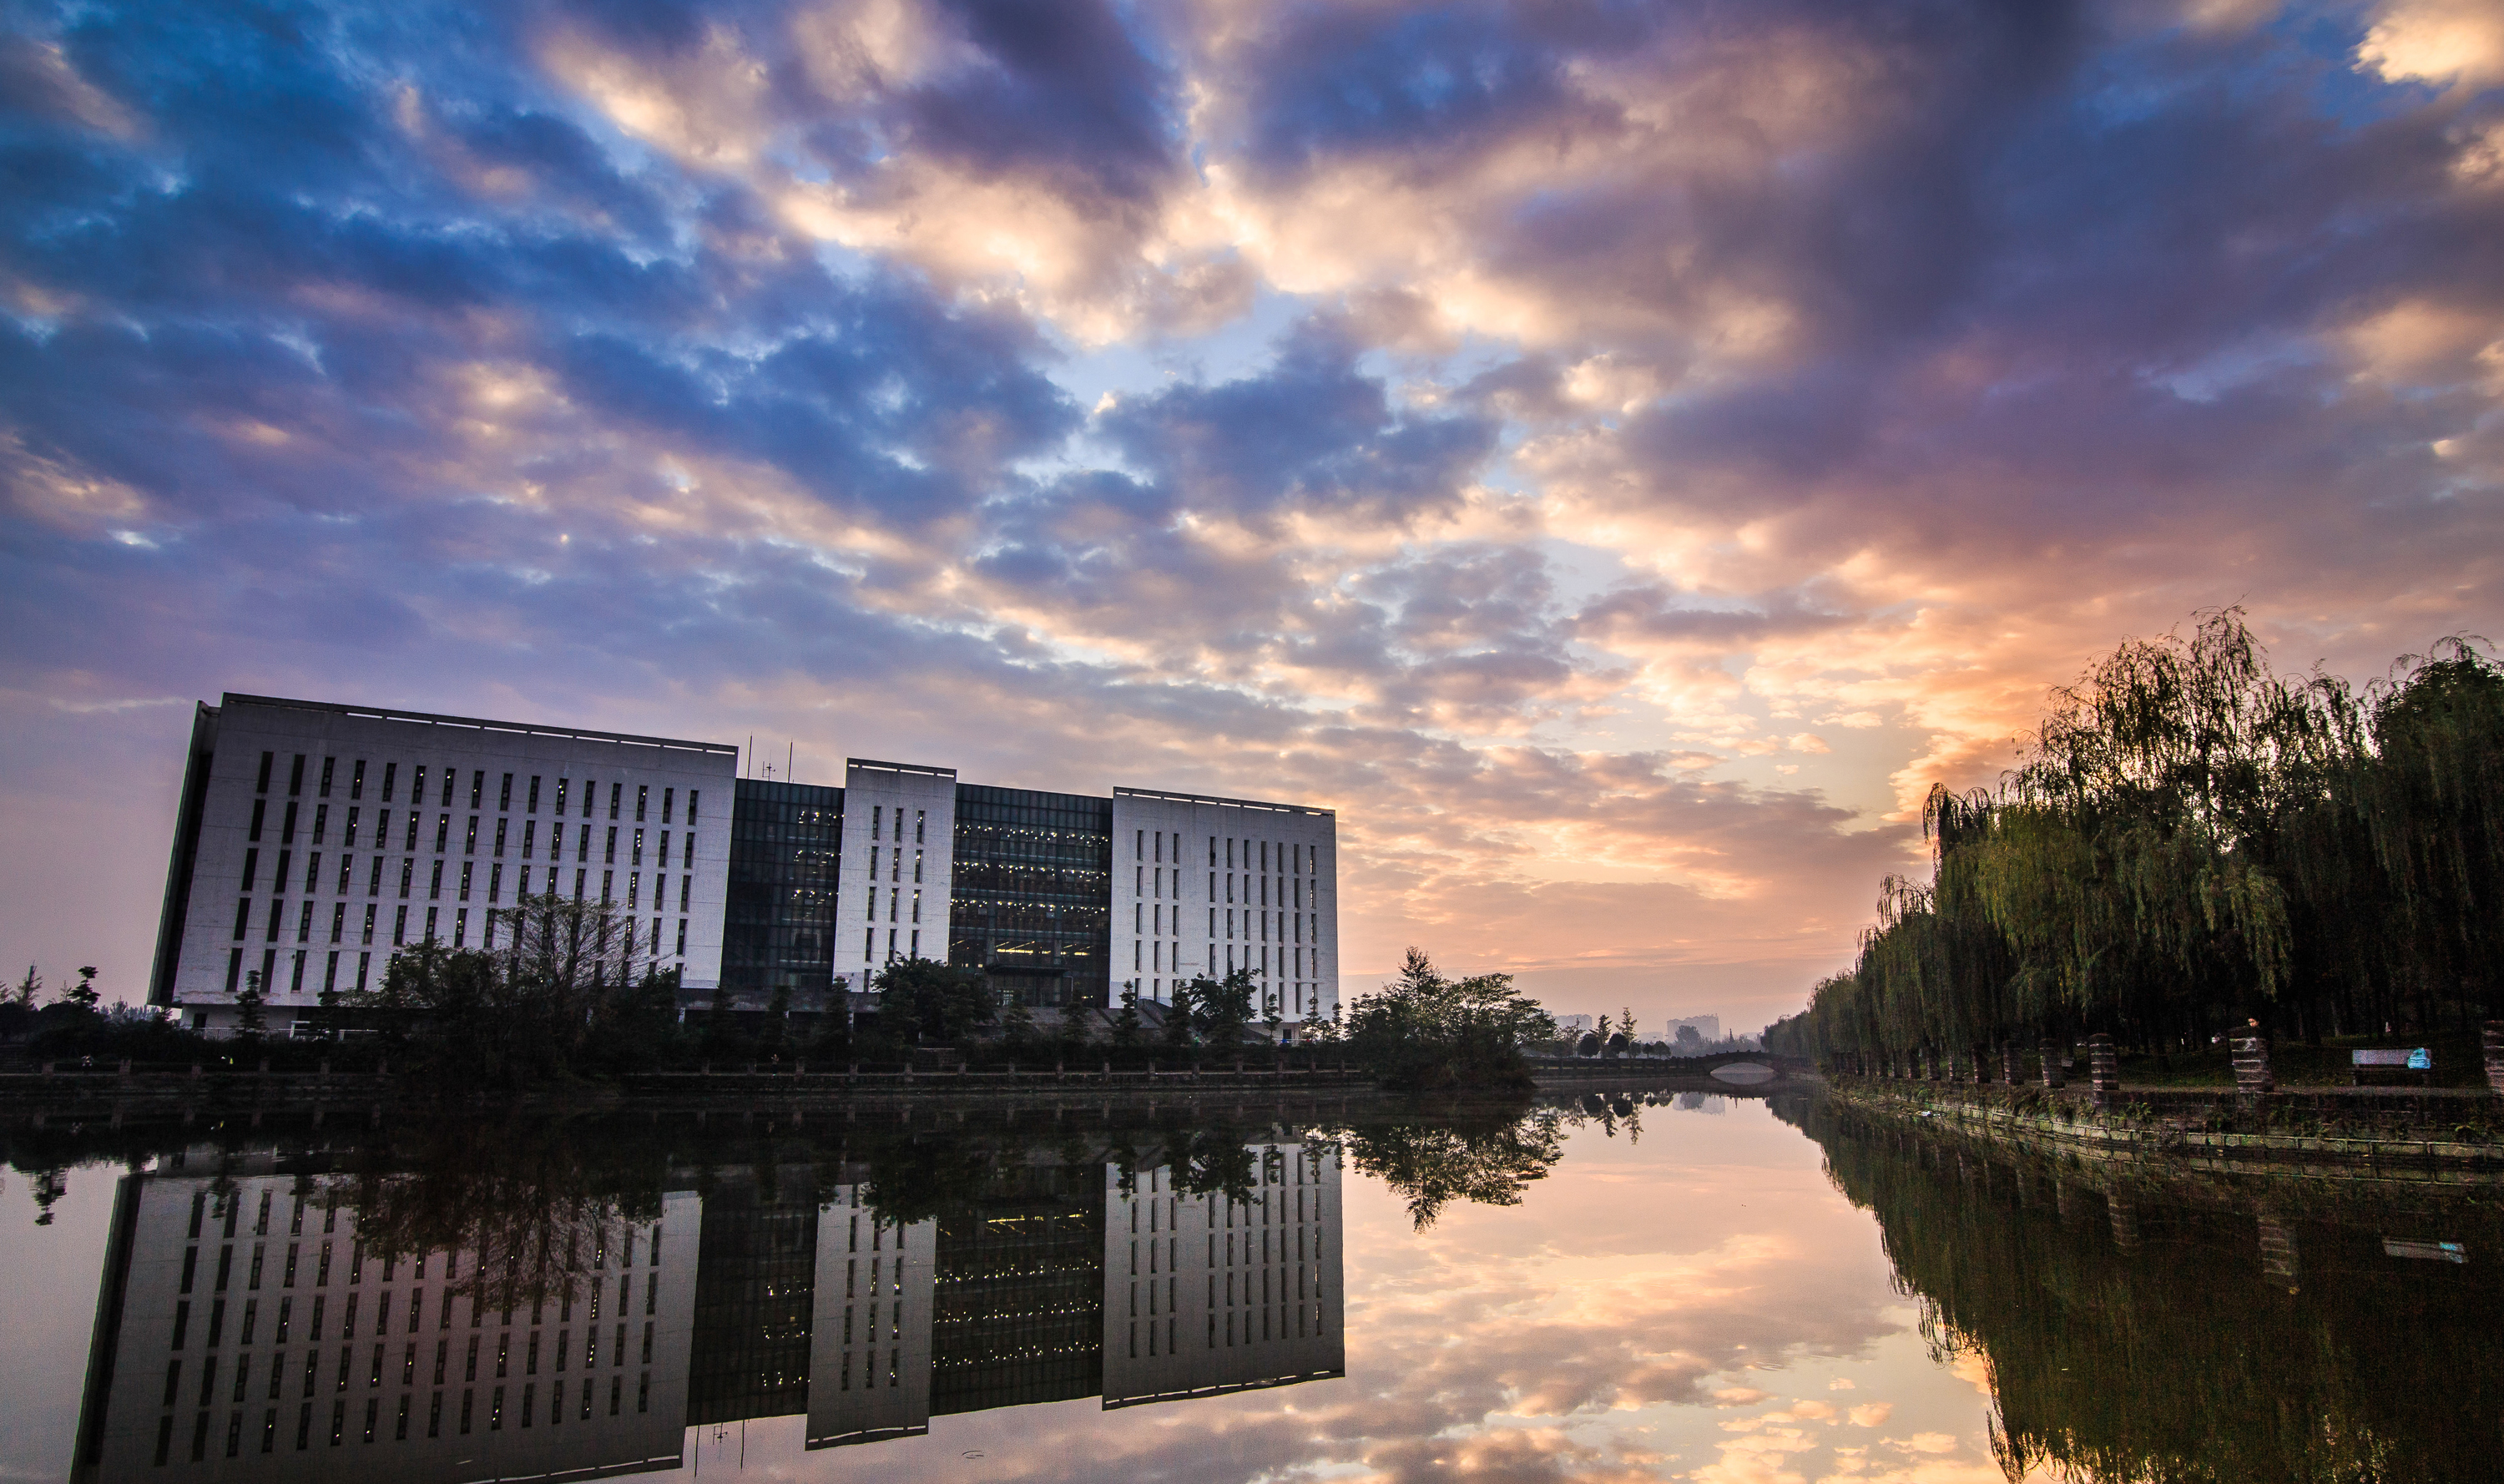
column 388, row 771
column 616, row 797
column 321, row 820
column 251, row 868
column 260, row 809
column 286, row 825
column 505, row 795
column 295, row 776
column 357, row 780
column 267, row 759
column 642, row 796
column 449, row 775
column 329, row 765
column 535, row 793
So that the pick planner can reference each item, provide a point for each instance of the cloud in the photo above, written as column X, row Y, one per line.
column 1619, row 458
column 2435, row 41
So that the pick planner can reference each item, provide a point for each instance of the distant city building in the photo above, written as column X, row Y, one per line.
column 315, row 839
column 1574, row 1025
column 1707, row 1027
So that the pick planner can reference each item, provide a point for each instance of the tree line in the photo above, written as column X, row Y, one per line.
column 567, row 995
column 2192, row 840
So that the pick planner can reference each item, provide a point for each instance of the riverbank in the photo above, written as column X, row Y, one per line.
column 2430, row 1133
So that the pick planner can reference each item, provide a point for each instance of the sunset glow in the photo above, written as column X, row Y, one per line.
column 1617, row 457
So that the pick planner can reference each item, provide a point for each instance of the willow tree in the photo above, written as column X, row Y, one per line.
column 2192, row 839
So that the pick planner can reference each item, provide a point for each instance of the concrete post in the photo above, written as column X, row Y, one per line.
column 2123, row 1212
column 2495, row 1047
column 2056, row 1063
column 2253, row 1077
column 2278, row 1251
column 2012, row 1066
column 2103, row 1071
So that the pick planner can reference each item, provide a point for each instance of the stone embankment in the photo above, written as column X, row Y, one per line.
column 2255, row 1127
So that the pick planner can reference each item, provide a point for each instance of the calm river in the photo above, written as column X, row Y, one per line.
column 1659, row 1287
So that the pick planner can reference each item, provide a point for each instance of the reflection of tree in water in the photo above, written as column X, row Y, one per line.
column 2129, row 1338
column 535, row 1208
column 1609, row 1112
column 1487, row 1158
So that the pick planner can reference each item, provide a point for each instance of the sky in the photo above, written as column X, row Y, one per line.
column 1619, row 456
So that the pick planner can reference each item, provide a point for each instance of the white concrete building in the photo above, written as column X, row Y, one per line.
column 248, row 1331
column 1204, row 885
column 892, row 896
column 314, row 838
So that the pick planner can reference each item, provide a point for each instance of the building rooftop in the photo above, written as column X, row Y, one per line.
column 481, row 724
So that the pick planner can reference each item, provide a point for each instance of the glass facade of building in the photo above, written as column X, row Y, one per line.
column 1032, row 895
column 779, row 929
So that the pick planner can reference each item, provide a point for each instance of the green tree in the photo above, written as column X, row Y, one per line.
column 568, row 975
column 778, row 1017
column 920, row 999
column 1018, row 1028
column 1077, row 1019
column 2191, row 840
column 1221, row 1007
column 26, row 990
column 82, row 993
column 1127, row 1029
column 1179, row 1032
column 250, row 1021
column 1424, row 1031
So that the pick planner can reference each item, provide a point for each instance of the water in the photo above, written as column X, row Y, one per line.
column 1723, row 1288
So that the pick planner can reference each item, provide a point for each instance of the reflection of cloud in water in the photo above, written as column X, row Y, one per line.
column 1670, row 1310
column 1679, row 1307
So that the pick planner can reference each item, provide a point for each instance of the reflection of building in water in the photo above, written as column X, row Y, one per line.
column 247, row 1327
column 245, row 1330
column 1206, row 1293
column 756, row 1269
column 869, row 1358
column 1019, row 1292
